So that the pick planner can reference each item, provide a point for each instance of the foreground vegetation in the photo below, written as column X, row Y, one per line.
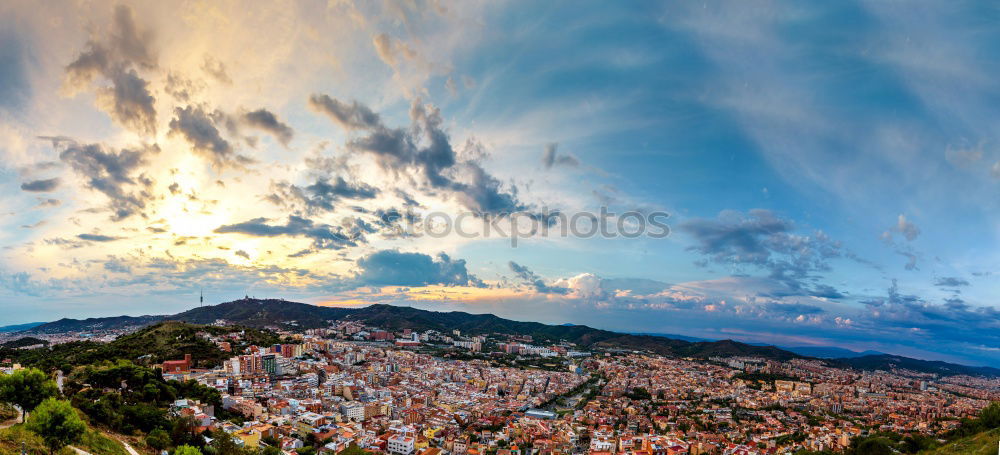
column 113, row 387
column 149, row 346
column 973, row 436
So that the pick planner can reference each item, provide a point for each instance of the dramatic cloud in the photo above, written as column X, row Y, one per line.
column 112, row 172
column 424, row 153
column 321, row 195
column 41, row 186
column 775, row 122
column 950, row 322
column 394, row 268
column 323, row 236
column 115, row 56
column 763, row 240
column 265, row 120
column 199, row 129
column 551, row 157
column 129, row 102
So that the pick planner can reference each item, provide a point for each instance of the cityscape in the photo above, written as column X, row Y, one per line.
column 499, row 227
column 300, row 387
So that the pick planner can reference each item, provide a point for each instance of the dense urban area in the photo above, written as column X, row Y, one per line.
column 351, row 387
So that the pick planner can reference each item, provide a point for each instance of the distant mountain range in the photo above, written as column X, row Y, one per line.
column 888, row 361
column 19, row 327
column 276, row 312
column 830, row 352
column 91, row 324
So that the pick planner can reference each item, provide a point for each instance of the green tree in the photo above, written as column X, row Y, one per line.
column 989, row 418
column 872, row 446
column 225, row 444
column 158, row 439
column 353, row 449
column 187, row 450
column 57, row 423
column 26, row 388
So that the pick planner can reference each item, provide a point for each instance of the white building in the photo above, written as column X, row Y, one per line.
column 401, row 444
column 353, row 411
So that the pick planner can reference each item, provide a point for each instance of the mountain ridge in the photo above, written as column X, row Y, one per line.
column 283, row 313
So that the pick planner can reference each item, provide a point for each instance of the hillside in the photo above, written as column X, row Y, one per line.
column 23, row 342
column 151, row 345
column 263, row 312
column 19, row 327
column 91, row 324
column 396, row 317
column 887, row 362
column 984, row 443
column 16, row 438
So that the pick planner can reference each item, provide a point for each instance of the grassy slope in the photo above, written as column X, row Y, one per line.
column 93, row 442
column 984, row 443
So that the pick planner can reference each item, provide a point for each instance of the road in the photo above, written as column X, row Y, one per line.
column 13, row 421
column 128, row 447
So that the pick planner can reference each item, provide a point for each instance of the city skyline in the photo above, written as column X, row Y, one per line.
column 828, row 172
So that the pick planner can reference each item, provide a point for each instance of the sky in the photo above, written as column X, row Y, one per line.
column 826, row 173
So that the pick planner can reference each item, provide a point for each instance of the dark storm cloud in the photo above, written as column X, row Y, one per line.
column 114, row 58
column 950, row 282
column 351, row 116
column 394, row 268
column 41, row 186
column 112, row 172
column 324, row 236
column 199, row 129
column 551, row 157
column 530, row 278
column 422, row 152
column 266, row 120
column 96, row 238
